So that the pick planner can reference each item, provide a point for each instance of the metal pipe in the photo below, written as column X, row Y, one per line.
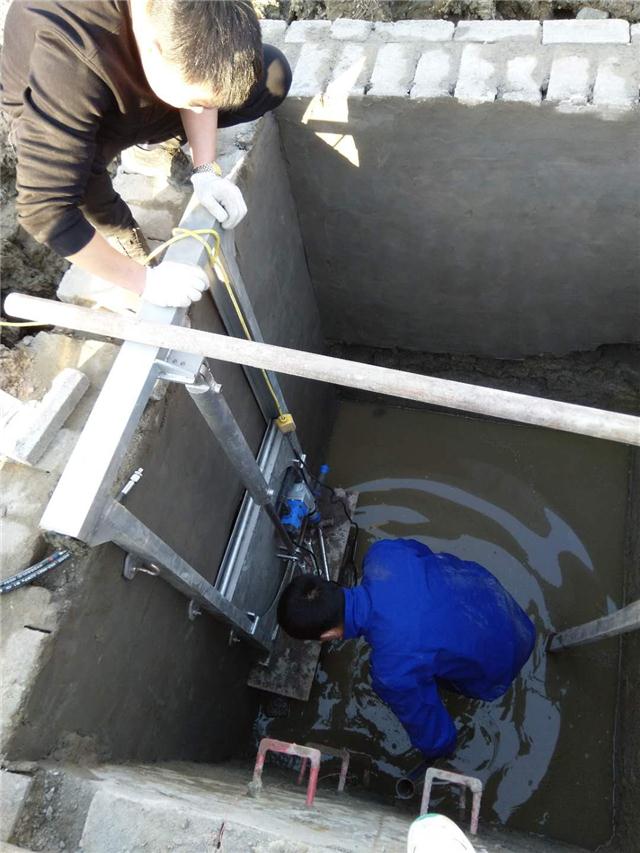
column 493, row 402
column 406, row 785
column 621, row 622
column 323, row 554
column 207, row 394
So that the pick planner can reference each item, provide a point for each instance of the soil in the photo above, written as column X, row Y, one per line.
column 454, row 10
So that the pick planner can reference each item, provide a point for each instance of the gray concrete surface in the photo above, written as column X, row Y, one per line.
column 272, row 259
column 496, row 230
column 627, row 789
column 14, row 788
column 183, row 807
column 126, row 671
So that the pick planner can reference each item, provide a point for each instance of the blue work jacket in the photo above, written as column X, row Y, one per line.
column 429, row 619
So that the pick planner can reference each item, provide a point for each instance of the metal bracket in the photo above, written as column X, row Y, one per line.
column 193, row 611
column 133, row 564
column 179, row 367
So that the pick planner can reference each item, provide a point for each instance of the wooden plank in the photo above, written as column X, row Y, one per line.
column 493, row 402
column 621, row 622
column 293, row 662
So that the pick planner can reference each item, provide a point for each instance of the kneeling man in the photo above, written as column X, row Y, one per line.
column 432, row 620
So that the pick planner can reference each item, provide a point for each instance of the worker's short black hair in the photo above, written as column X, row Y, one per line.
column 215, row 42
column 309, row 606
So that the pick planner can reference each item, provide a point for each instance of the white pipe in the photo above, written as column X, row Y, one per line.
column 597, row 423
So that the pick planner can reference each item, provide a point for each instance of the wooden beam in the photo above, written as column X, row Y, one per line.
column 352, row 374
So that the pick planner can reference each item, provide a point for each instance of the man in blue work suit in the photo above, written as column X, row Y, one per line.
column 431, row 620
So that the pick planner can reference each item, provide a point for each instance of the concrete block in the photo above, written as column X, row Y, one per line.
column 477, row 77
column 569, row 80
column 312, row 70
column 588, row 13
column 523, row 79
column 30, row 430
column 80, row 288
column 492, row 31
column 14, row 788
column 585, row 32
column 23, row 653
column 303, row 31
column 351, row 72
column 347, row 29
column 419, row 31
column 617, row 83
column 435, row 74
column 273, row 32
column 393, row 71
column 635, row 33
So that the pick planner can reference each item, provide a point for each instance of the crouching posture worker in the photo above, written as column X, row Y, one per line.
column 431, row 620
column 81, row 81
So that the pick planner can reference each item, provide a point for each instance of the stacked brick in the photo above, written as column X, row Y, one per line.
column 575, row 64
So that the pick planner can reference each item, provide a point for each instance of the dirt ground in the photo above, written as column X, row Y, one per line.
column 454, row 10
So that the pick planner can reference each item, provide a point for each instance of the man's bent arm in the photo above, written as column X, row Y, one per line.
column 202, row 130
column 100, row 259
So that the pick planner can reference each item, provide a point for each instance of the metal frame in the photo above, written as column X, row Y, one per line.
column 83, row 505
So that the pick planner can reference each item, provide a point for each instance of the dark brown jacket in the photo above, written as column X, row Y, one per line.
column 76, row 95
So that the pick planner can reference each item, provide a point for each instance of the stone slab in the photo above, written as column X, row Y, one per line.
column 617, row 83
column 312, row 70
column 273, row 32
column 585, row 32
column 351, row 71
column 293, row 664
column 33, row 427
column 477, row 76
column 347, row 29
column 523, row 79
column 492, row 31
column 436, row 73
column 393, row 71
column 303, row 31
column 570, row 80
column 589, row 13
column 14, row 788
column 635, row 33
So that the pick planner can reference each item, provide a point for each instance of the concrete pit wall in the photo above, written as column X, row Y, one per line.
column 124, row 674
column 469, row 189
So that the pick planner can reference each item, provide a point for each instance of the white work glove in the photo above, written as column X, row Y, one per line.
column 174, row 285
column 220, row 197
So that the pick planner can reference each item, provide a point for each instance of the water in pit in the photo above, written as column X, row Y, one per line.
column 545, row 512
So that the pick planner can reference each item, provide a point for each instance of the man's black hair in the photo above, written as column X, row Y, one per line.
column 309, row 606
column 215, row 42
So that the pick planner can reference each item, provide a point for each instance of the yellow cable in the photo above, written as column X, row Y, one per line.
column 213, row 253
column 217, row 265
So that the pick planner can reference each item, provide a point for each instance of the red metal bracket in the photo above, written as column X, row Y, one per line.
column 305, row 752
column 471, row 782
column 343, row 754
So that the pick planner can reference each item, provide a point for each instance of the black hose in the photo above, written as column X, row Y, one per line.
column 28, row 575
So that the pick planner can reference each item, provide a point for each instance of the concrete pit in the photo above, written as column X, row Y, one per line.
column 457, row 201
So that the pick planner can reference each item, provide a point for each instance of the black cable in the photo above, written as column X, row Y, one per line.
column 335, row 498
column 309, row 551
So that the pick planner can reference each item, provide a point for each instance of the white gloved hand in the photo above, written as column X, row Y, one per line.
column 220, row 197
column 175, row 285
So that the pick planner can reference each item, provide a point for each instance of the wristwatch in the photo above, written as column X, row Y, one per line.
column 208, row 167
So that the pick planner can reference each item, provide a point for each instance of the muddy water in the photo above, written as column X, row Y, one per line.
column 544, row 511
